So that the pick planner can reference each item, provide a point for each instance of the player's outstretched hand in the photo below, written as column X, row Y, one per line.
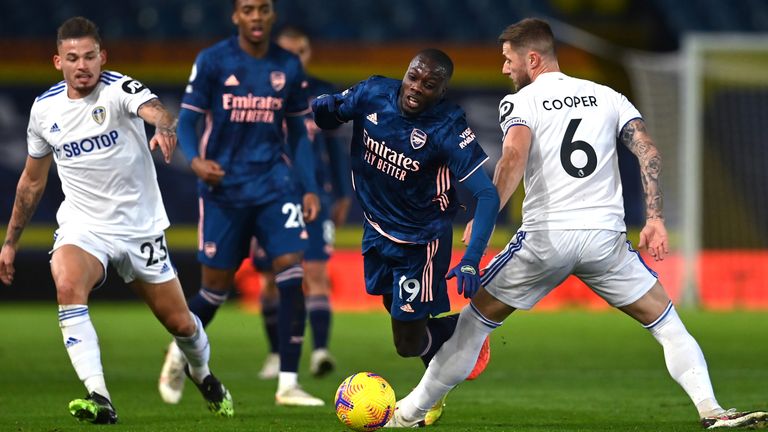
column 310, row 207
column 208, row 171
column 166, row 140
column 654, row 238
column 7, row 256
column 325, row 102
column 467, row 278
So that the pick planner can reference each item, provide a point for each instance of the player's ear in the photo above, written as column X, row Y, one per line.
column 57, row 61
column 533, row 59
column 103, row 55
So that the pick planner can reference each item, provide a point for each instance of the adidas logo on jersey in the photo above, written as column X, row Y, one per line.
column 231, row 81
column 70, row 342
column 165, row 268
column 55, row 128
column 407, row 308
column 373, row 118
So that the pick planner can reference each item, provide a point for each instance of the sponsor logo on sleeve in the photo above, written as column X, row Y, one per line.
column 132, row 86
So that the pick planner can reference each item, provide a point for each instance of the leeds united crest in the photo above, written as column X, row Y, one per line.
column 99, row 114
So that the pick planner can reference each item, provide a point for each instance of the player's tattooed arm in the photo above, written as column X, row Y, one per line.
column 635, row 136
column 28, row 193
column 155, row 113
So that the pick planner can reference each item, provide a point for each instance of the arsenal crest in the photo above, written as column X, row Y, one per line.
column 418, row 138
column 277, row 78
column 99, row 114
column 209, row 248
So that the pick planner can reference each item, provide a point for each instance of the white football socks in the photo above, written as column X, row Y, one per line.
column 451, row 365
column 196, row 350
column 685, row 361
column 82, row 345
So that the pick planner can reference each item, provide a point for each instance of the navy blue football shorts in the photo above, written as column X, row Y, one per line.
column 413, row 274
column 322, row 236
column 225, row 232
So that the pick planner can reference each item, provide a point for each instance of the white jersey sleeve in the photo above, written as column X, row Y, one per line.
column 37, row 146
column 572, row 176
column 102, row 156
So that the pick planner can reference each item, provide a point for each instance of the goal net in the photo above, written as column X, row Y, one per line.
column 707, row 108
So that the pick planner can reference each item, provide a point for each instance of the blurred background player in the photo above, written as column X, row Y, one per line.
column 247, row 88
column 332, row 169
column 92, row 125
column 410, row 147
column 573, row 223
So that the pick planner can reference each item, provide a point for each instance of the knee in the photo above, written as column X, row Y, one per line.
column 408, row 348
column 284, row 261
column 180, row 324
column 69, row 292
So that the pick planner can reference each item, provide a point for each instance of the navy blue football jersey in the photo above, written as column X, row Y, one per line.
column 332, row 164
column 245, row 101
column 404, row 168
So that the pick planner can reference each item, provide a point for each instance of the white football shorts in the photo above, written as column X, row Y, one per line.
column 144, row 258
column 535, row 262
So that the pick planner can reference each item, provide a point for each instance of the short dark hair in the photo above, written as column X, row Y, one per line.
column 234, row 3
column 77, row 27
column 292, row 32
column 440, row 58
column 531, row 33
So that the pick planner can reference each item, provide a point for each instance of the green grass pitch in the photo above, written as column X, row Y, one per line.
column 550, row 371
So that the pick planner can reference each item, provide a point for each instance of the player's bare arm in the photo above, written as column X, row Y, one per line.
column 509, row 169
column 654, row 235
column 636, row 138
column 28, row 193
column 511, row 165
column 155, row 113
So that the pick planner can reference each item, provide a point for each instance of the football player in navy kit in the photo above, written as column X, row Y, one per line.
column 410, row 147
column 246, row 88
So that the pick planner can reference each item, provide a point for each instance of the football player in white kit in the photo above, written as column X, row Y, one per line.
column 560, row 136
column 92, row 125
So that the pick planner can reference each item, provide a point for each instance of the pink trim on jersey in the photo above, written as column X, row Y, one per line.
column 302, row 113
column 443, row 184
column 206, row 134
column 427, row 276
column 200, row 210
column 381, row 231
column 193, row 108
column 473, row 170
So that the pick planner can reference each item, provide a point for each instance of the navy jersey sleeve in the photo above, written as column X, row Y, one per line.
column 463, row 152
column 350, row 100
column 197, row 95
column 298, row 93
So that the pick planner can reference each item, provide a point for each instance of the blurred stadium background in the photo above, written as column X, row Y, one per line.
column 696, row 70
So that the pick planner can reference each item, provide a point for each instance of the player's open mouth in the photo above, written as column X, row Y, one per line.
column 412, row 102
column 257, row 32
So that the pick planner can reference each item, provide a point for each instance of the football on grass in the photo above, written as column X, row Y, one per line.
column 365, row 401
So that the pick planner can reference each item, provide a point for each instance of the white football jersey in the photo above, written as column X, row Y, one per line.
column 572, row 177
column 102, row 156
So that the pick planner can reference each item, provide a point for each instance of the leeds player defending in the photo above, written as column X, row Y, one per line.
column 252, row 94
column 92, row 125
column 560, row 136
column 410, row 147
